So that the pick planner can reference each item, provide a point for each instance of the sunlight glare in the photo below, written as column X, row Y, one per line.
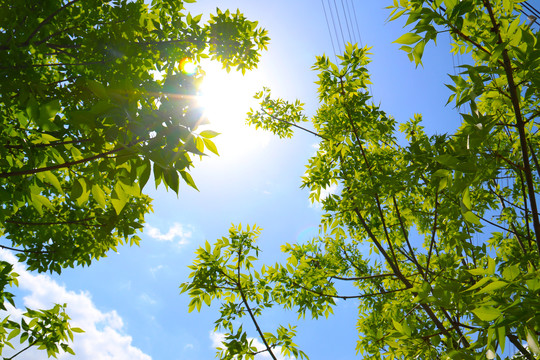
column 226, row 98
column 188, row 67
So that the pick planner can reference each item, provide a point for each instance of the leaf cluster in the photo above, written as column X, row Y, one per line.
column 94, row 100
column 436, row 236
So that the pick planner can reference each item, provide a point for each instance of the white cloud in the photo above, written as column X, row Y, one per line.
column 104, row 337
column 154, row 270
column 217, row 338
column 332, row 189
column 147, row 299
column 177, row 230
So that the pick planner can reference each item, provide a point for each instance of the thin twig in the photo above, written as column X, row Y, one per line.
column 244, row 300
column 46, row 21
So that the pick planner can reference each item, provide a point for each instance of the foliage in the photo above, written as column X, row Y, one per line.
column 224, row 272
column 94, row 98
column 438, row 236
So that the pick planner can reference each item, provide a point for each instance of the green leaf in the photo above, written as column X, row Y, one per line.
column 97, row 88
column 211, row 146
column 47, row 112
column 472, row 218
column 171, row 179
column 39, row 201
column 188, row 179
column 99, row 195
column 487, row 313
column 466, row 199
column 441, row 173
column 145, row 174
column 13, row 333
column 479, row 283
column 501, row 337
column 511, row 272
column 478, row 271
column 532, row 341
column 492, row 287
column 119, row 198
column 418, row 51
column 50, row 178
column 118, row 205
column 208, row 134
column 408, row 39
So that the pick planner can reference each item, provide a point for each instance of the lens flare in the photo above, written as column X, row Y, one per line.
column 188, row 67
column 270, row 110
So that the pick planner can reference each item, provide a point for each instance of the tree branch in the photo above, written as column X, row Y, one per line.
column 515, row 340
column 46, row 21
column 434, row 231
column 48, row 223
column 293, row 124
column 362, row 277
column 52, row 143
column 406, row 237
column 68, row 164
column 23, row 350
column 244, row 300
column 24, row 250
column 54, row 64
column 343, row 297
column 520, row 125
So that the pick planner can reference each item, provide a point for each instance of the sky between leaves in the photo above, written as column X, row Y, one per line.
column 128, row 303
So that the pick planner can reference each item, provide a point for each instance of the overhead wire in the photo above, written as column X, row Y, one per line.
column 531, row 8
column 329, row 31
column 534, row 14
column 346, row 21
column 357, row 27
column 334, row 24
column 339, row 22
column 352, row 24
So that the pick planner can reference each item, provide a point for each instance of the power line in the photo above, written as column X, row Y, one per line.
column 329, row 32
column 357, row 27
column 334, row 25
column 351, row 21
column 533, row 16
column 531, row 8
column 339, row 22
column 346, row 21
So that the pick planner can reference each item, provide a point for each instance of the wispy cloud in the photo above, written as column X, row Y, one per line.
column 175, row 231
column 104, row 336
column 147, row 299
column 217, row 338
column 154, row 270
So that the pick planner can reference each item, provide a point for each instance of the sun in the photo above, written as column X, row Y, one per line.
column 226, row 98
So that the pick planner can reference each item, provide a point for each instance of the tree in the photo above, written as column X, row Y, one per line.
column 454, row 217
column 95, row 96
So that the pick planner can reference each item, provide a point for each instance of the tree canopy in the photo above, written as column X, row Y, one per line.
column 95, row 97
column 437, row 237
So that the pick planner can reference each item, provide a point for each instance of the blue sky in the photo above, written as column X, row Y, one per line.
column 129, row 303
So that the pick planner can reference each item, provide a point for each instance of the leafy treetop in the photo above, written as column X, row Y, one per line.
column 438, row 236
